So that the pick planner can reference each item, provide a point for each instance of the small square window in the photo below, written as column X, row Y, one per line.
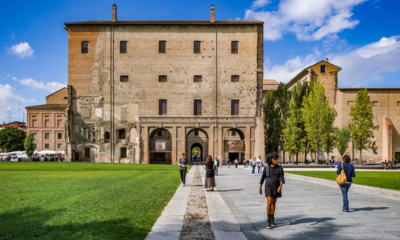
column 198, row 78
column 47, row 146
column 161, row 48
column 34, row 146
column 350, row 103
column 124, row 78
column 233, row 133
column 323, row 68
column 85, row 47
column 59, row 135
column 375, row 104
column 159, row 133
column 196, row 46
column 59, row 145
column 162, row 78
column 123, row 45
column 47, row 136
column 235, row 78
column 234, row 47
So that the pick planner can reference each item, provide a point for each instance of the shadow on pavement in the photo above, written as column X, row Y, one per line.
column 368, row 209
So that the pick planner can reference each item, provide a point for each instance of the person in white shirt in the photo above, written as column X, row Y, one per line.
column 259, row 165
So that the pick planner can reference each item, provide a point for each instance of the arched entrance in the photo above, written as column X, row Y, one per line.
column 197, row 152
column 234, row 147
column 160, row 146
column 197, row 137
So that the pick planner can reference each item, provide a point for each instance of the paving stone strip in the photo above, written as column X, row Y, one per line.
column 196, row 224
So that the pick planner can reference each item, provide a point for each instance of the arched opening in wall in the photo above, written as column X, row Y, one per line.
column 234, row 146
column 107, row 137
column 160, row 146
column 197, row 152
column 196, row 139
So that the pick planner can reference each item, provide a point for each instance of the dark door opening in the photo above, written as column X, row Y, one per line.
column 196, row 153
column 233, row 156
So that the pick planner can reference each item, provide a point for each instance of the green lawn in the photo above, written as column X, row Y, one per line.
column 83, row 200
column 387, row 180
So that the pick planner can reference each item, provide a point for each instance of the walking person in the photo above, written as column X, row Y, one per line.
column 259, row 165
column 253, row 165
column 236, row 163
column 215, row 162
column 228, row 163
column 273, row 176
column 210, row 175
column 183, row 163
column 221, row 162
column 350, row 173
column 244, row 163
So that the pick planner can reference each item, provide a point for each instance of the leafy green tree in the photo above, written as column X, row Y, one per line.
column 328, row 140
column 12, row 139
column 29, row 148
column 293, row 134
column 272, row 122
column 318, row 116
column 362, row 126
column 282, row 101
column 343, row 138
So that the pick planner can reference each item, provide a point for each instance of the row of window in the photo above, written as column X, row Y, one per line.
column 162, row 46
column 47, row 136
column 47, row 146
column 162, row 106
column 163, row 78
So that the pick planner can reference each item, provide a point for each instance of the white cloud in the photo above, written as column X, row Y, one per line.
column 9, row 101
column 50, row 86
column 307, row 19
column 259, row 4
column 22, row 50
column 359, row 67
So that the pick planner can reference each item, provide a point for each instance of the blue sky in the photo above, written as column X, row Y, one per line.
column 361, row 36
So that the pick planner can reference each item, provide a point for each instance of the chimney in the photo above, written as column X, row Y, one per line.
column 327, row 59
column 114, row 16
column 212, row 14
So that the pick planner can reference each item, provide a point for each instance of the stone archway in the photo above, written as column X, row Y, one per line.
column 234, row 144
column 160, row 146
column 197, row 137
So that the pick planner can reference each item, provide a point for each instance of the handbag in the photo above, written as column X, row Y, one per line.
column 341, row 178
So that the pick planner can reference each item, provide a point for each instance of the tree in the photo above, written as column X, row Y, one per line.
column 282, row 101
column 318, row 115
column 362, row 126
column 328, row 141
column 12, row 139
column 272, row 122
column 342, row 140
column 29, row 148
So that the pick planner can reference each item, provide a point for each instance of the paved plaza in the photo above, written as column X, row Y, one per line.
column 307, row 210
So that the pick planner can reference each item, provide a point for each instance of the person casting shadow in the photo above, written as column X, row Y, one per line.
column 273, row 176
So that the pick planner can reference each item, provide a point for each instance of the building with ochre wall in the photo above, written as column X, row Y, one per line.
column 385, row 106
column 148, row 91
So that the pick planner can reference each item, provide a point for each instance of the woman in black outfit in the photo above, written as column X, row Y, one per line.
column 210, row 174
column 274, row 175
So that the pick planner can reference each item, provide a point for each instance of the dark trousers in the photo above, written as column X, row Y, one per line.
column 183, row 175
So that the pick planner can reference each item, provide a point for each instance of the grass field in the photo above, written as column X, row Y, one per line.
column 83, row 200
column 387, row 180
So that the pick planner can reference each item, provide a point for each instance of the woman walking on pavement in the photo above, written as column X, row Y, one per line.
column 253, row 165
column 273, row 176
column 350, row 173
column 210, row 175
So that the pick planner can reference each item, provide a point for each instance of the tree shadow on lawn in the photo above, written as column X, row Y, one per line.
column 32, row 223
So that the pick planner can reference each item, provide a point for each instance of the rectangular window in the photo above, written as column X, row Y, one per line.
column 121, row 134
column 34, row 146
column 162, row 104
column 34, row 136
column 123, row 46
column 85, row 47
column 375, row 103
column 234, row 107
column 197, row 107
column 162, row 78
column 47, row 136
column 322, row 68
column 233, row 133
column 87, row 152
column 196, row 46
column 161, row 48
column 34, row 123
column 123, row 153
column 196, row 132
column 47, row 146
column 398, row 104
column 234, row 47
column 235, row 78
column 124, row 78
column 59, row 135
column 198, row 78
column 59, row 145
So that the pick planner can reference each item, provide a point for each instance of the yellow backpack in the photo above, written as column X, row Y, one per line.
column 341, row 178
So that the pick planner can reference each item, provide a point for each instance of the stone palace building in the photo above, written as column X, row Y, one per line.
column 148, row 91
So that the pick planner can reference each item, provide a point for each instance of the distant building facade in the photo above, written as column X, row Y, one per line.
column 385, row 105
column 147, row 91
column 46, row 122
column 19, row 125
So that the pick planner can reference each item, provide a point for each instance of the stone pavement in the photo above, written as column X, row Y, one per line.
column 307, row 210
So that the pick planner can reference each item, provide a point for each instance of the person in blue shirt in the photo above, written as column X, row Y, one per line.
column 350, row 173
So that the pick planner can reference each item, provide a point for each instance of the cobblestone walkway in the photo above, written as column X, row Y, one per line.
column 196, row 224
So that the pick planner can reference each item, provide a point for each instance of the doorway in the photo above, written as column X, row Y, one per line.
column 233, row 156
column 196, row 152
